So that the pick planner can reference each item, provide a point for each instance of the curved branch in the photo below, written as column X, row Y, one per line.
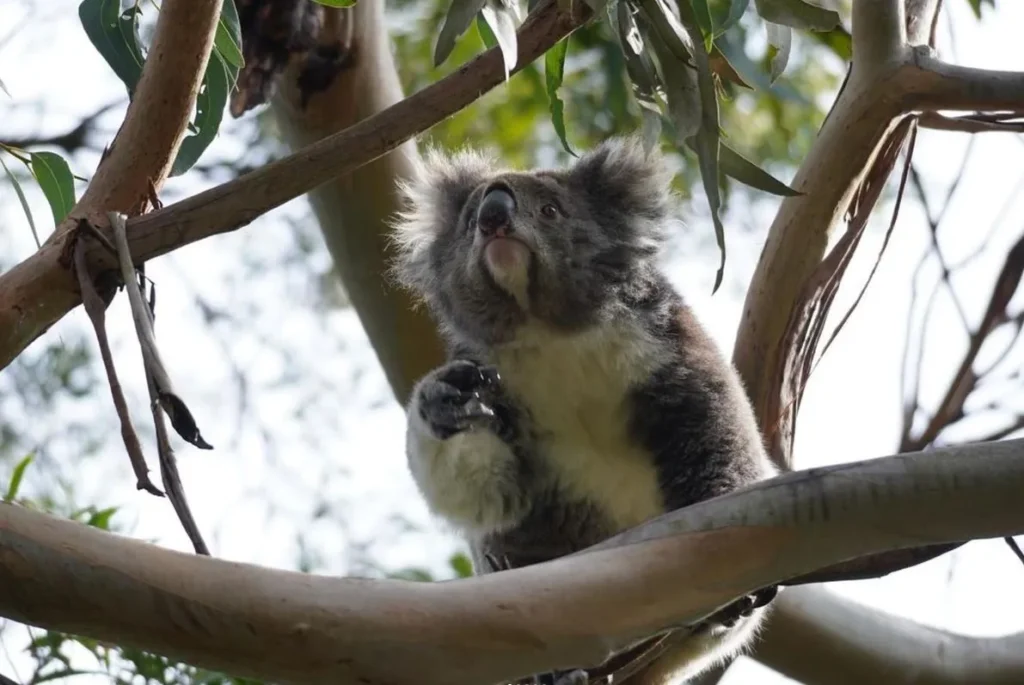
column 39, row 291
column 297, row 627
column 819, row 637
column 929, row 83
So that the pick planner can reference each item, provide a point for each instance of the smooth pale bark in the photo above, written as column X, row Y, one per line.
column 820, row 638
column 302, row 628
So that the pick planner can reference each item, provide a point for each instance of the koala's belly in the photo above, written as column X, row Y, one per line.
column 574, row 389
column 592, row 462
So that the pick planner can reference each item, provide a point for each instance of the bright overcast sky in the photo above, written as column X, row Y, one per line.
column 851, row 409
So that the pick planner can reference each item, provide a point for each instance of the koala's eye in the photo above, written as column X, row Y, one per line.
column 550, row 211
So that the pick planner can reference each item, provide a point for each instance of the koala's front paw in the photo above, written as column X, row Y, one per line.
column 459, row 395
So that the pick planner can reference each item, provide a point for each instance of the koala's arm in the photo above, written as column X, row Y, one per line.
column 695, row 419
column 462, row 445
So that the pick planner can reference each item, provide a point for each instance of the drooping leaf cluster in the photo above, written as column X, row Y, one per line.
column 675, row 56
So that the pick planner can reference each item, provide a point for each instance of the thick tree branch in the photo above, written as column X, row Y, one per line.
column 145, row 146
column 354, row 208
column 39, row 291
column 295, row 627
column 821, row 638
column 879, row 33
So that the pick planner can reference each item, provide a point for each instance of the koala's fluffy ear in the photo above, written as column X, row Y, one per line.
column 619, row 171
column 432, row 201
column 618, row 176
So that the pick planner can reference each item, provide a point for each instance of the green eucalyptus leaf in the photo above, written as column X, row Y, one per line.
column 554, row 71
column 838, row 40
column 976, row 6
column 780, row 42
column 17, row 476
column 735, row 165
column 461, row 564
column 640, row 68
column 228, row 39
column 115, row 35
column 678, row 79
column 54, row 177
column 797, row 14
column 502, row 16
column 486, row 35
column 101, row 519
column 24, row 203
column 702, row 14
column 707, row 137
column 457, row 20
column 754, row 74
column 651, row 129
column 213, row 96
column 736, row 10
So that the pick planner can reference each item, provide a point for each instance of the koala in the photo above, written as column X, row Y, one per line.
column 581, row 396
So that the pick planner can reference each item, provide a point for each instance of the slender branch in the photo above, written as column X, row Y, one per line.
column 72, row 140
column 39, row 291
column 819, row 637
column 968, row 124
column 299, row 628
column 928, row 83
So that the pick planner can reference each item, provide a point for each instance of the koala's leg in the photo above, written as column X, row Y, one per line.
column 709, row 646
column 460, row 446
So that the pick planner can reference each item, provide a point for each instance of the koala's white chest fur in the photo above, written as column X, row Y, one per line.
column 576, row 391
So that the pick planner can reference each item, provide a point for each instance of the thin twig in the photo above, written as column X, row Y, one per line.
column 969, row 124
column 96, row 310
column 168, row 463
column 951, row 407
column 181, row 418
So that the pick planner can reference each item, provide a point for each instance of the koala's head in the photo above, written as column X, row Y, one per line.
column 490, row 249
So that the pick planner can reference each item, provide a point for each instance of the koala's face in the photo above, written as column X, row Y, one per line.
column 491, row 249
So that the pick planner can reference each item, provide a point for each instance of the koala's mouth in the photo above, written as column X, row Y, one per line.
column 506, row 256
column 507, row 260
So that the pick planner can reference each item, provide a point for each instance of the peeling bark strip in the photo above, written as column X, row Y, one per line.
column 37, row 292
column 303, row 628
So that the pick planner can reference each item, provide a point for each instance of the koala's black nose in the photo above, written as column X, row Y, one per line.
column 495, row 212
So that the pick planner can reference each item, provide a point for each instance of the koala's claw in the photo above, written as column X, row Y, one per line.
column 574, row 677
column 458, row 396
column 468, row 376
column 743, row 607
